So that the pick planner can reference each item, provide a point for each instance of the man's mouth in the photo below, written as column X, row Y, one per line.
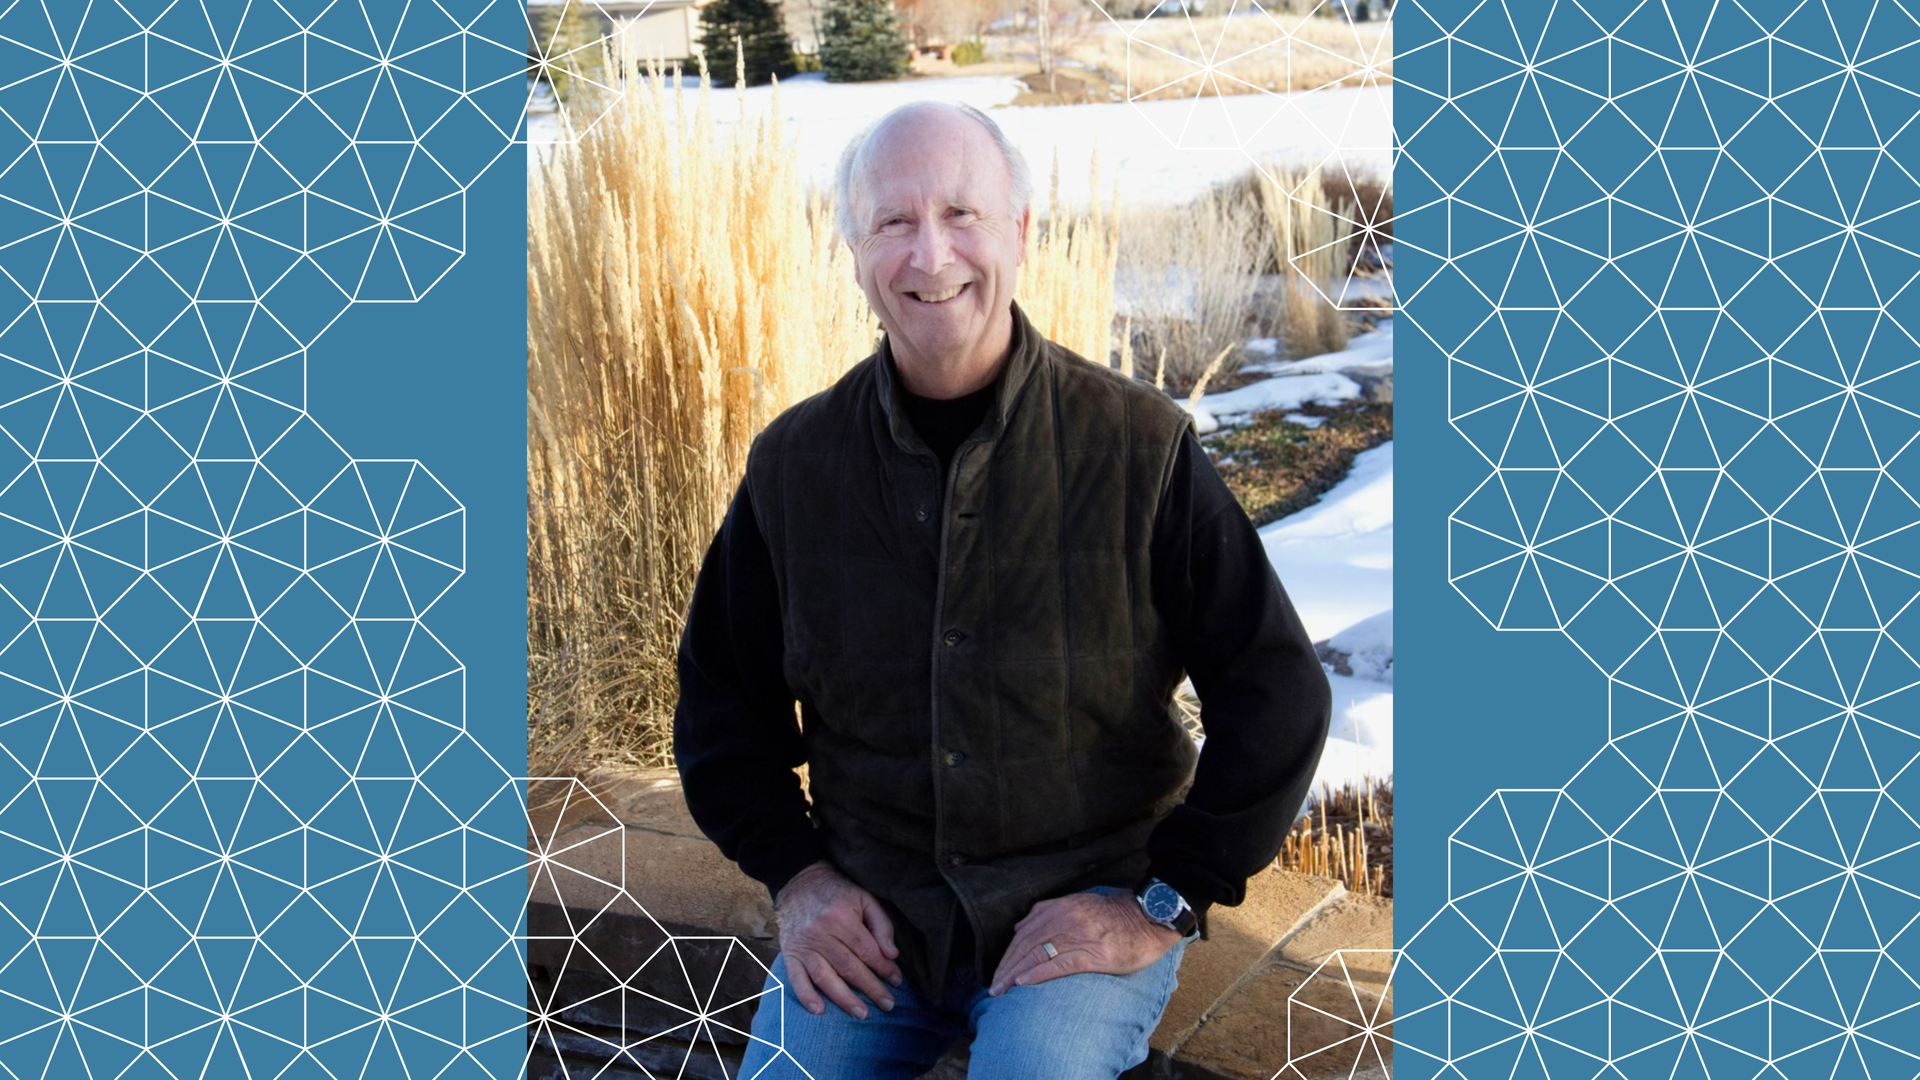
column 940, row 297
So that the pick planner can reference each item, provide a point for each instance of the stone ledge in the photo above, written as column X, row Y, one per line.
column 631, row 897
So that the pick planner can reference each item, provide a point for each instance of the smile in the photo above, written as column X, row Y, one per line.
column 940, row 297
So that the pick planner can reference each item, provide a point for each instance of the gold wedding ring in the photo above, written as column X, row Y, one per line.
column 1047, row 947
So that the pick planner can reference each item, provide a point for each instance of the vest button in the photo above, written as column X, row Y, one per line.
column 955, row 757
column 957, row 858
column 920, row 513
column 953, row 637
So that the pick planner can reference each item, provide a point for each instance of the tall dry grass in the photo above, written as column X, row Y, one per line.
column 1066, row 279
column 1265, row 52
column 1312, row 234
column 682, row 289
column 679, row 295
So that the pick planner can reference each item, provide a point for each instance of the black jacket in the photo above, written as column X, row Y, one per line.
column 1000, row 732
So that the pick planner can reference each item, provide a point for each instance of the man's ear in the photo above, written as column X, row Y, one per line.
column 1026, row 218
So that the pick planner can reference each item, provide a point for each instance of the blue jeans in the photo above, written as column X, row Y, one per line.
column 1077, row 1027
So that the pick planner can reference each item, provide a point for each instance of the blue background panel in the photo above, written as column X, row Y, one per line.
column 1662, row 555
column 259, row 304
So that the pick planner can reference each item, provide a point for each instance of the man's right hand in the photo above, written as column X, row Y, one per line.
column 836, row 939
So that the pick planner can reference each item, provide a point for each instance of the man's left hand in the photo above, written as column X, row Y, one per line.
column 1107, row 933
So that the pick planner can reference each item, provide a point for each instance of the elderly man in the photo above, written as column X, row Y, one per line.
column 980, row 564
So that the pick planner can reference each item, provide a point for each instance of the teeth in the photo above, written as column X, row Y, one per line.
column 934, row 298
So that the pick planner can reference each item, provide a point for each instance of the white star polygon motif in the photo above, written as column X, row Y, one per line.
column 608, row 991
column 1666, row 250
column 589, row 58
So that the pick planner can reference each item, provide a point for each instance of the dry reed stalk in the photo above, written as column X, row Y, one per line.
column 1264, row 53
column 1351, row 841
column 1066, row 278
column 1200, row 384
column 679, row 295
column 1312, row 237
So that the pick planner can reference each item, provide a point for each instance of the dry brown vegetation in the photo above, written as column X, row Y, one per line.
column 1346, row 834
column 679, row 295
column 1276, row 467
column 1191, row 274
column 1269, row 52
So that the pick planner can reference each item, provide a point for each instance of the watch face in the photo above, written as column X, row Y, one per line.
column 1162, row 902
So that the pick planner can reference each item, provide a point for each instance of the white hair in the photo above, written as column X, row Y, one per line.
column 1019, row 178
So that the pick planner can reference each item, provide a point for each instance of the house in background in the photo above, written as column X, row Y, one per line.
column 667, row 29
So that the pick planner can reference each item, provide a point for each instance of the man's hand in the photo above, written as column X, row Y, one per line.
column 1106, row 933
column 834, row 934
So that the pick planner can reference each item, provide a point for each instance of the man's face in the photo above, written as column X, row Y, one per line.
column 935, row 246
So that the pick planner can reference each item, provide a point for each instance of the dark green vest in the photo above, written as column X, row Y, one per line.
column 985, row 685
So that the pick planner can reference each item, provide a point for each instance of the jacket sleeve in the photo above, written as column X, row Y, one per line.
column 1265, row 702
column 736, row 738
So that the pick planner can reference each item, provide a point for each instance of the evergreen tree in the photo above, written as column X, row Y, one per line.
column 570, row 37
column 862, row 40
column 762, row 35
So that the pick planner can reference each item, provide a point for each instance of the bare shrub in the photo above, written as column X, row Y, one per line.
column 1187, row 278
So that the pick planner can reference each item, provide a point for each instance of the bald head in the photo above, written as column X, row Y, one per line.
column 916, row 126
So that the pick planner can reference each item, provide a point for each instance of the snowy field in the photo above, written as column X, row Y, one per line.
column 1335, row 558
column 1160, row 151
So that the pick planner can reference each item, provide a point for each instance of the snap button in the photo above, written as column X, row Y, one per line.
column 955, row 757
column 953, row 637
column 920, row 513
column 957, row 859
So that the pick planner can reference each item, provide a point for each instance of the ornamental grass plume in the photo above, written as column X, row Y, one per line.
column 681, row 292
column 1066, row 280
column 1313, row 241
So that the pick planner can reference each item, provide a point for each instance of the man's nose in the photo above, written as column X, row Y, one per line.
column 932, row 247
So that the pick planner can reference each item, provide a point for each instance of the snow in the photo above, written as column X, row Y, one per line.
column 1315, row 380
column 1368, row 645
column 1335, row 559
column 1304, row 420
column 1160, row 151
column 1366, row 350
column 1287, row 393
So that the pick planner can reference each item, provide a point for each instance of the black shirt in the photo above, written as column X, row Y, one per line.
column 943, row 424
column 1212, row 582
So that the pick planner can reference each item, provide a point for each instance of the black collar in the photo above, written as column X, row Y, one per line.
column 1028, row 347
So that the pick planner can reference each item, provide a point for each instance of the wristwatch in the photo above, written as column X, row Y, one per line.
column 1166, row 907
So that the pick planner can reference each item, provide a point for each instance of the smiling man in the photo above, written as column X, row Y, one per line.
column 980, row 565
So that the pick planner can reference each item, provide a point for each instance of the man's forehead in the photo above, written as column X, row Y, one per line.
column 915, row 168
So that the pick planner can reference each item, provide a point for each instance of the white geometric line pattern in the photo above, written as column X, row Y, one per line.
column 622, row 993
column 245, row 830
column 1666, row 249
